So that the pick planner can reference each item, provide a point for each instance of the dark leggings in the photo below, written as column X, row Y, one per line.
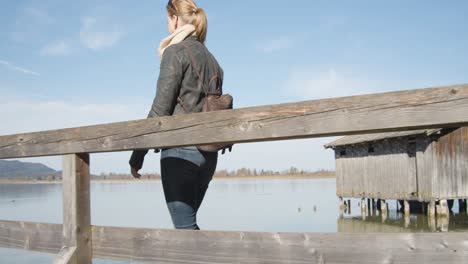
column 185, row 185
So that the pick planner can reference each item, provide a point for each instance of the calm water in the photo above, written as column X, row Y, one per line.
column 305, row 205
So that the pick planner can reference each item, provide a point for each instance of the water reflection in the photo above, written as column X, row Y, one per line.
column 394, row 221
column 303, row 205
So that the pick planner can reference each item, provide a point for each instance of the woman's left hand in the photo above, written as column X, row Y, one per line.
column 135, row 173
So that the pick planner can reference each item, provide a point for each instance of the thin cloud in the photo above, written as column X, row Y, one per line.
column 38, row 15
column 11, row 66
column 275, row 45
column 94, row 37
column 30, row 25
column 56, row 49
column 281, row 43
column 312, row 84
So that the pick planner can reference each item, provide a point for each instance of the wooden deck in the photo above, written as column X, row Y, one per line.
column 76, row 241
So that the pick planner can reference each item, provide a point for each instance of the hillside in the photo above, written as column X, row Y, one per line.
column 25, row 170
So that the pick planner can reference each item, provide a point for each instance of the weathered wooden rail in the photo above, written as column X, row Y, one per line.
column 173, row 246
column 78, row 241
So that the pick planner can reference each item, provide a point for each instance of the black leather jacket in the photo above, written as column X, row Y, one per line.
column 178, row 78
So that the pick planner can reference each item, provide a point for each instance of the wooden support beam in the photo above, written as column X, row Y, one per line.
column 67, row 255
column 76, row 211
column 383, row 210
column 363, row 208
column 406, row 207
column 443, row 223
column 177, row 246
column 342, row 207
column 395, row 111
column 383, row 206
column 443, row 209
column 431, row 210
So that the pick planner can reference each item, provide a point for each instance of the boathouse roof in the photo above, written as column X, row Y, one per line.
column 357, row 139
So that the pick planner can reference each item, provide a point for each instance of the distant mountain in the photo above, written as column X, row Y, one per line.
column 25, row 170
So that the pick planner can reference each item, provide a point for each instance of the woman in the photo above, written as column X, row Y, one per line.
column 185, row 73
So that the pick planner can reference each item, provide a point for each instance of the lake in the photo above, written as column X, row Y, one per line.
column 302, row 205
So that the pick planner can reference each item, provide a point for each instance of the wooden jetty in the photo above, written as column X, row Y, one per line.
column 429, row 166
column 76, row 241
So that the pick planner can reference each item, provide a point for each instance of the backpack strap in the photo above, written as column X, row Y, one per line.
column 197, row 70
column 205, row 89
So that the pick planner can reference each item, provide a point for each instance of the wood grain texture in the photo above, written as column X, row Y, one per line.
column 385, row 112
column 384, row 169
column 175, row 246
column 66, row 256
column 410, row 167
column 450, row 156
column 76, row 209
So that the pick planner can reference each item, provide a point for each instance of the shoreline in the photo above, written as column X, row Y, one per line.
column 268, row 177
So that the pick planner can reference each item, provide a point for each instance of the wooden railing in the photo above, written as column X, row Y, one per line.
column 78, row 241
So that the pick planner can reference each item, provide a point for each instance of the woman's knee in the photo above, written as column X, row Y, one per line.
column 183, row 215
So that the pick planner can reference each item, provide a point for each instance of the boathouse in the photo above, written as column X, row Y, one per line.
column 423, row 165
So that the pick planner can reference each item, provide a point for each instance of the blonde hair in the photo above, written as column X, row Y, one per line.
column 189, row 13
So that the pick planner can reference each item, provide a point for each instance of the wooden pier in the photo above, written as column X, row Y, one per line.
column 76, row 241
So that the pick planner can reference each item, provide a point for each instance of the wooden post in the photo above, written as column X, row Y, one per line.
column 443, row 223
column 406, row 208
column 407, row 220
column 443, row 208
column 363, row 208
column 342, row 206
column 77, row 247
column 383, row 206
column 431, row 221
column 383, row 210
column 431, row 209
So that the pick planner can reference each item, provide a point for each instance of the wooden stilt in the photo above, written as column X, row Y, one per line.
column 443, row 209
column 431, row 221
column 383, row 206
column 406, row 208
column 363, row 208
column 77, row 246
column 407, row 220
column 383, row 210
column 431, row 210
column 342, row 207
column 443, row 223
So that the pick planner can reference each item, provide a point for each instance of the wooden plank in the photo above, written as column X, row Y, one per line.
column 67, row 256
column 76, row 210
column 385, row 112
column 176, row 246
column 31, row 236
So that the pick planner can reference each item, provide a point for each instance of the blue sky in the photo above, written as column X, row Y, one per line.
column 74, row 63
